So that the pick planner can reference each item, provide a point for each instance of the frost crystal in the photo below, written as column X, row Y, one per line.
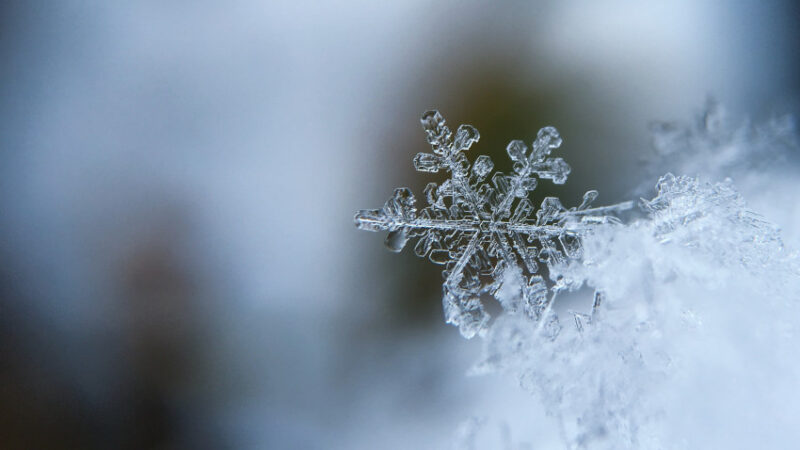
column 688, row 211
column 700, row 288
column 488, row 234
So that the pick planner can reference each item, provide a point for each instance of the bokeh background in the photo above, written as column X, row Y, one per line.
column 178, row 262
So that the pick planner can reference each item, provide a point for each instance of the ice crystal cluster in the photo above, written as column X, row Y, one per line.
column 760, row 158
column 699, row 310
column 488, row 233
column 691, row 338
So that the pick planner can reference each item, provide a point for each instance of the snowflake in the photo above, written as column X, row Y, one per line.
column 488, row 235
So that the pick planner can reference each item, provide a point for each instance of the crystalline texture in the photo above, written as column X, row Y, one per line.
column 482, row 230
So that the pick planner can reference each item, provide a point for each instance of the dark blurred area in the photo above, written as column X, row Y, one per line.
column 178, row 263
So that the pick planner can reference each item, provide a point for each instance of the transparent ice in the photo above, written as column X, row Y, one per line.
column 488, row 233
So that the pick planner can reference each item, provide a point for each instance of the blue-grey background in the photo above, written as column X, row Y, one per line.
column 178, row 262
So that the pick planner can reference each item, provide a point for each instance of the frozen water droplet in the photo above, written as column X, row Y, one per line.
column 396, row 240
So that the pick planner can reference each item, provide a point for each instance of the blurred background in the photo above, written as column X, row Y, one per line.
column 178, row 262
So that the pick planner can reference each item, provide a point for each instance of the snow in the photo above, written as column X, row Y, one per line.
column 689, row 340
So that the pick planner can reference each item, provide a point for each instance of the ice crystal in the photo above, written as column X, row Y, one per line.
column 695, row 312
column 488, row 233
column 700, row 274
column 716, row 145
column 687, row 210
